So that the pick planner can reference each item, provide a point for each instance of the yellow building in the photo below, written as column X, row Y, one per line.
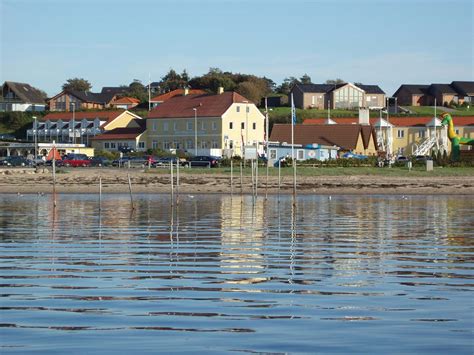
column 203, row 124
column 409, row 135
column 132, row 137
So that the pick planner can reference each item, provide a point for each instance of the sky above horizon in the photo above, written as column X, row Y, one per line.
column 113, row 42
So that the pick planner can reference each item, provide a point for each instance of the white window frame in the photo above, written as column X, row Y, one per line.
column 214, row 126
column 165, row 126
column 189, row 125
column 401, row 133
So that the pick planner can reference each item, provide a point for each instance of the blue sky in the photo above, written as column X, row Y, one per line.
column 112, row 42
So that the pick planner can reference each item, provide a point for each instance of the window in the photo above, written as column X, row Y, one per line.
column 141, row 145
column 238, row 108
column 247, row 109
column 189, row 144
column 204, row 145
column 254, row 126
column 214, row 126
column 166, row 145
column 189, row 125
column 154, row 125
column 175, row 126
column 273, row 153
column 106, row 145
column 400, row 133
column 154, row 144
column 457, row 131
column 242, row 125
column 214, row 144
column 300, row 155
column 421, row 133
column 231, row 125
column 313, row 100
column 112, row 145
column 203, row 125
column 231, row 144
column 165, row 126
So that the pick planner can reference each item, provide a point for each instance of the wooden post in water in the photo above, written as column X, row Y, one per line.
column 130, row 190
column 252, row 166
column 256, row 178
column 231, row 177
column 172, row 182
column 241, row 181
column 279, row 179
column 100, row 193
column 177, row 181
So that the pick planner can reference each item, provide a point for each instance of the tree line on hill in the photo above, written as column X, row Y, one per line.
column 250, row 86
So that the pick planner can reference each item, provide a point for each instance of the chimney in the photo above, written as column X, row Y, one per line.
column 186, row 91
column 364, row 116
column 220, row 90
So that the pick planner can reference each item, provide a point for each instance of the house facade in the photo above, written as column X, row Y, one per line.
column 337, row 96
column 78, row 127
column 125, row 103
column 69, row 100
column 133, row 136
column 439, row 94
column 21, row 97
column 203, row 124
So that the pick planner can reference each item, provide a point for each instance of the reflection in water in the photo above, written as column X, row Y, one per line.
column 243, row 275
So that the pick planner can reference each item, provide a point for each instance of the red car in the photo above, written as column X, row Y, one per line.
column 75, row 160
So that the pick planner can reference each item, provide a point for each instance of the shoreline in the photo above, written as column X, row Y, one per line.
column 115, row 181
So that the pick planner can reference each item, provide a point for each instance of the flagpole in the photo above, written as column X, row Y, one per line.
column 293, row 121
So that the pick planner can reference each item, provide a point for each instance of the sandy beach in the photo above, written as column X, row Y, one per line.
column 28, row 180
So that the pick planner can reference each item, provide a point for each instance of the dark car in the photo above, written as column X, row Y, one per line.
column 164, row 162
column 203, row 161
column 100, row 161
column 74, row 160
column 142, row 162
column 401, row 159
column 422, row 158
column 16, row 161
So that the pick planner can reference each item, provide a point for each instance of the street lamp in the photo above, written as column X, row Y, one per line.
column 36, row 137
column 195, row 131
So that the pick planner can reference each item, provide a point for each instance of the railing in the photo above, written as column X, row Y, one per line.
column 425, row 147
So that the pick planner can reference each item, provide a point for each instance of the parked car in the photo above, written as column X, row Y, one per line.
column 203, row 161
column 134, row 161
column 423, row 158
column 164, row 162
column 74, row 160
column 401, row 159
column 100, row 161
column 16, row 161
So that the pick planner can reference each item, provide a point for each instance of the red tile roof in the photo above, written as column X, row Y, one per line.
column 126, row 101
column 120, row 133
column 396, row 121
column 107, row 116
column 177, row 92
column 343, row 136
column 206, row 105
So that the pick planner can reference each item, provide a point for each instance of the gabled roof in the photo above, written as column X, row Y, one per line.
column 177, row 92
column 126, row 101
column 107, row 116
column 443, row 88
column 371, row 89
column 25, row 92
column 123, row 132
column 415, row 89
column 100, row 98
column 465, row 88
column 343, row 136
column 206, row 105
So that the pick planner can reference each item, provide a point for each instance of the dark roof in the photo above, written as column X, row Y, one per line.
column 414, row 89
column 207, row 105
column 443, row 88
column 121, row 133
column 100, row 98
column 465, row 88
column 370, row 89
column 114, row 89
column 343, row 136
column 25, row 92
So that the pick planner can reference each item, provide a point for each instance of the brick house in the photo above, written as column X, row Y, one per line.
column 425, row 95
column 66, row 99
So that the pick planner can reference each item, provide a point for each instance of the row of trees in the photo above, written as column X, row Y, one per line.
column 250, row 86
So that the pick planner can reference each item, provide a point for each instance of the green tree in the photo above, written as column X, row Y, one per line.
column 78, row 84
column 305, row 79
column 137, row 90
column 335, row 81
column 172, row 80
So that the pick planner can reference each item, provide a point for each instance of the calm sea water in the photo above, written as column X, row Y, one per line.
column 378, row 274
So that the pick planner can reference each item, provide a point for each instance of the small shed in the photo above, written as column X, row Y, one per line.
column 302, row 152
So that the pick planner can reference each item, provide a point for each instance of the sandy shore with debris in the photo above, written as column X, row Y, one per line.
column 86, row 180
